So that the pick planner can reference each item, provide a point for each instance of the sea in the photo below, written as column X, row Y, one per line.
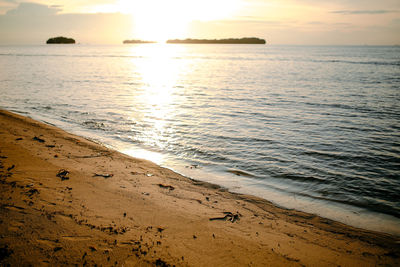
column 311, row 128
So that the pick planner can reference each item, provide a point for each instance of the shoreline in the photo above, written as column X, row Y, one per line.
column 115, row 208
column 359, row 217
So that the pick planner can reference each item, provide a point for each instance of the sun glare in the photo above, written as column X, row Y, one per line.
column 160, row 70
column 159, row 20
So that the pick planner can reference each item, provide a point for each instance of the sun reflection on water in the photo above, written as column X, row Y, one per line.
column 159, row 69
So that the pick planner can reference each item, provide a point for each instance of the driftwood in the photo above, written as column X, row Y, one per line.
column 229, row 216
column 170, row 187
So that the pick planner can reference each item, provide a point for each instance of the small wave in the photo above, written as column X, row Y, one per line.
column 326, row 154
column 383, row 63
column 19, row 111
column 372, row 205
column 133, row 56
column 42, row 108
column 94, row 125
column 301, row 178
column 206, row 154
column 246, row 139
column 340, row 106
column 240, row 173
column 70, row 56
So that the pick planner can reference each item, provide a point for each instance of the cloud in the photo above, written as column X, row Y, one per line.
column 32, row 9
column 316, row 23
column 31, row 23
column 396, row 22
column 6, row 5
column 363, row 12
column 250, row 21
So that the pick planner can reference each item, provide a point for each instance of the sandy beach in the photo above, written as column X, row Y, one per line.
column 67, row 201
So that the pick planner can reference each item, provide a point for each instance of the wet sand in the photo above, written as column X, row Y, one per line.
column 66, row 200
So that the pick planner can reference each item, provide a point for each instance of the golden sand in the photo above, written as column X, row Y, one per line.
column 66, row 200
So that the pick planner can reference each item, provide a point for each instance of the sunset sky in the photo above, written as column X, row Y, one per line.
column 353, row 22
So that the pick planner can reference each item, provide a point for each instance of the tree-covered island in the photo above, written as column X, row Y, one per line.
column 138, row 42
column 60, row 40
column 247, row 40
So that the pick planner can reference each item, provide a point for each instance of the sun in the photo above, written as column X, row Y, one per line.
column 159, row 20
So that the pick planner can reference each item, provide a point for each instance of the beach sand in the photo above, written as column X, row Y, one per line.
column 106, row 208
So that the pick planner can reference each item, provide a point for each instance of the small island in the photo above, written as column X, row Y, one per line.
column 247, row 40
column 60, row 40
column 138, row 42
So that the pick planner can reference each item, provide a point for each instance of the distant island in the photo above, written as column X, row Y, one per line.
column 251, row 40
column 138, row 42
column 60, row 40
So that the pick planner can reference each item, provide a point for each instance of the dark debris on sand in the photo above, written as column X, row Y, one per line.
column 229, row 216
column 63, row 174
column 5, row 252
column 40, row 140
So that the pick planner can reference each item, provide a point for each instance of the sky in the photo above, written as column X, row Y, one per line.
column 296, row 22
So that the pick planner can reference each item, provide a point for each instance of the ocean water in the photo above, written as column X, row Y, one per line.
column 315, row 128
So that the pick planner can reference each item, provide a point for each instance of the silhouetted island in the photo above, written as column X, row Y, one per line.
column 251, row 40
column 138, row 42
column 60, row 40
